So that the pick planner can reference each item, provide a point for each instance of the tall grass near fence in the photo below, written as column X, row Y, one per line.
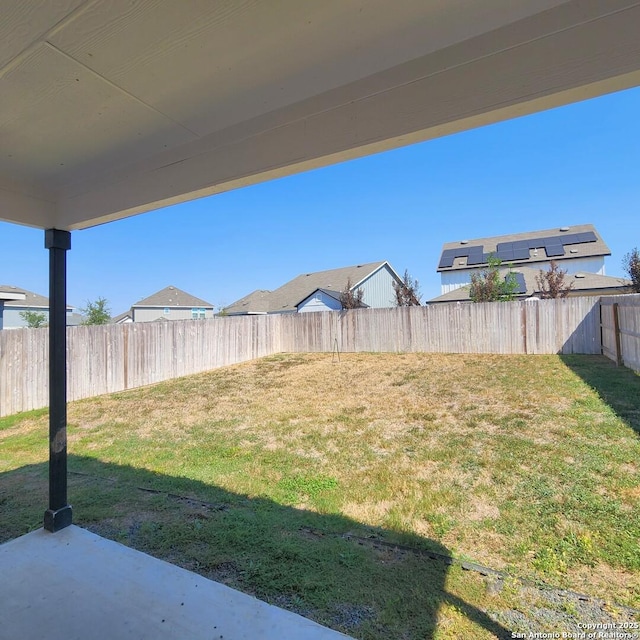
column 105, row 359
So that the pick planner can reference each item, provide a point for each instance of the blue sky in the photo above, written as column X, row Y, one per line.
column 572, row 165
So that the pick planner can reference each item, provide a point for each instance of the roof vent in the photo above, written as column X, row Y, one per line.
column 579, row 275
column 564, row 228
column 573, row 251
column 464, row 242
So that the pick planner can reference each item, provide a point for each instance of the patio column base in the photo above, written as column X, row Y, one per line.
column 59, row 519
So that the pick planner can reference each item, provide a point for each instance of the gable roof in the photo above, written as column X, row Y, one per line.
column 583, row 283
column 121, row 317
column 10, row 293
column 30, row 299
column 172, row 297
column 255, row 302
column 336, row 295
column 579, row 241
column 290, row 294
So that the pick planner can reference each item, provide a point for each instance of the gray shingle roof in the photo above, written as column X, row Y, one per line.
column 286, row 297
column 579, row 241
column 583, row 284
column 336, row 295
column 172, row 297
column 121, row 316
column 32, row 299
column 10, row 293
column 255, row 302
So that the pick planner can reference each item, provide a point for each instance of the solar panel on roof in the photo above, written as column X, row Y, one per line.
column 521, row 253
column 587, row 236
column 516, row 250
column 505, row 254
column 447, row 258
column 522, row 286
column 554, row 250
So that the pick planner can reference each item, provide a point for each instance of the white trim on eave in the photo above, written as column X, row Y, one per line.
column 393, row 273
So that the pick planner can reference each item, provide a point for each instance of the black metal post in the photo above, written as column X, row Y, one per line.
column 58, row 515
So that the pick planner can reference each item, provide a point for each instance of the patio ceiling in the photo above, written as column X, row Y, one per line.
column 110, row 108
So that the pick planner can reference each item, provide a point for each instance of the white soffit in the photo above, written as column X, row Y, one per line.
column 110, row 108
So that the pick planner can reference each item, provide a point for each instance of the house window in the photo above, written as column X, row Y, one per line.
column 166, row 311
column 197, row 313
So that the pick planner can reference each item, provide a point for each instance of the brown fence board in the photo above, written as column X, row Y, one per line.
column 621, row 339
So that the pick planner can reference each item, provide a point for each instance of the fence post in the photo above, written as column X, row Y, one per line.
column 616, row 331
column 524, row 326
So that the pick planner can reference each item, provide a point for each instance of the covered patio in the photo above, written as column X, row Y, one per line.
column 111, row 109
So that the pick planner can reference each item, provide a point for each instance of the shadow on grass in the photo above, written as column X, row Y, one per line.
column 326, row 567
column 619, row 387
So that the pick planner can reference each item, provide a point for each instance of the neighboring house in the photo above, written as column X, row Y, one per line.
column 321, row 300
column 123, row 318
column 15, row 300
column 582, row 284
column 578, row 249
column 320, row 291
column 74, row 319
column 170, row 303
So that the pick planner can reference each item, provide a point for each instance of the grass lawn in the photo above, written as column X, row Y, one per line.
column 334, row 488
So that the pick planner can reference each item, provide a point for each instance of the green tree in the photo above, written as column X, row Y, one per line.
column 552, row 283
column 407, row 292
column 350, row 299
column 631, row 265
column 34, row 319
column 96, row 312
column 488, row 284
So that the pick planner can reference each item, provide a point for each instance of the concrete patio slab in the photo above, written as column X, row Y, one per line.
column 75, row 585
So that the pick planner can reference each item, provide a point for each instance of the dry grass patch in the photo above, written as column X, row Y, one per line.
column 522, row 463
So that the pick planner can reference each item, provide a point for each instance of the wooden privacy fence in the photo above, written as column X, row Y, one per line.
column 546, row 326
column 620, row 320
column 104, row 359
column 108, row 358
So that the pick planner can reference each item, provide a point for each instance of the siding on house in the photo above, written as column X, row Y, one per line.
column 169, row 303
column 14, row 301
column 452, row 280
column 582, row 283
column 150, row 314
column 319, row 301
column 13, row 320
column 378, row 288
column 10, row 318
